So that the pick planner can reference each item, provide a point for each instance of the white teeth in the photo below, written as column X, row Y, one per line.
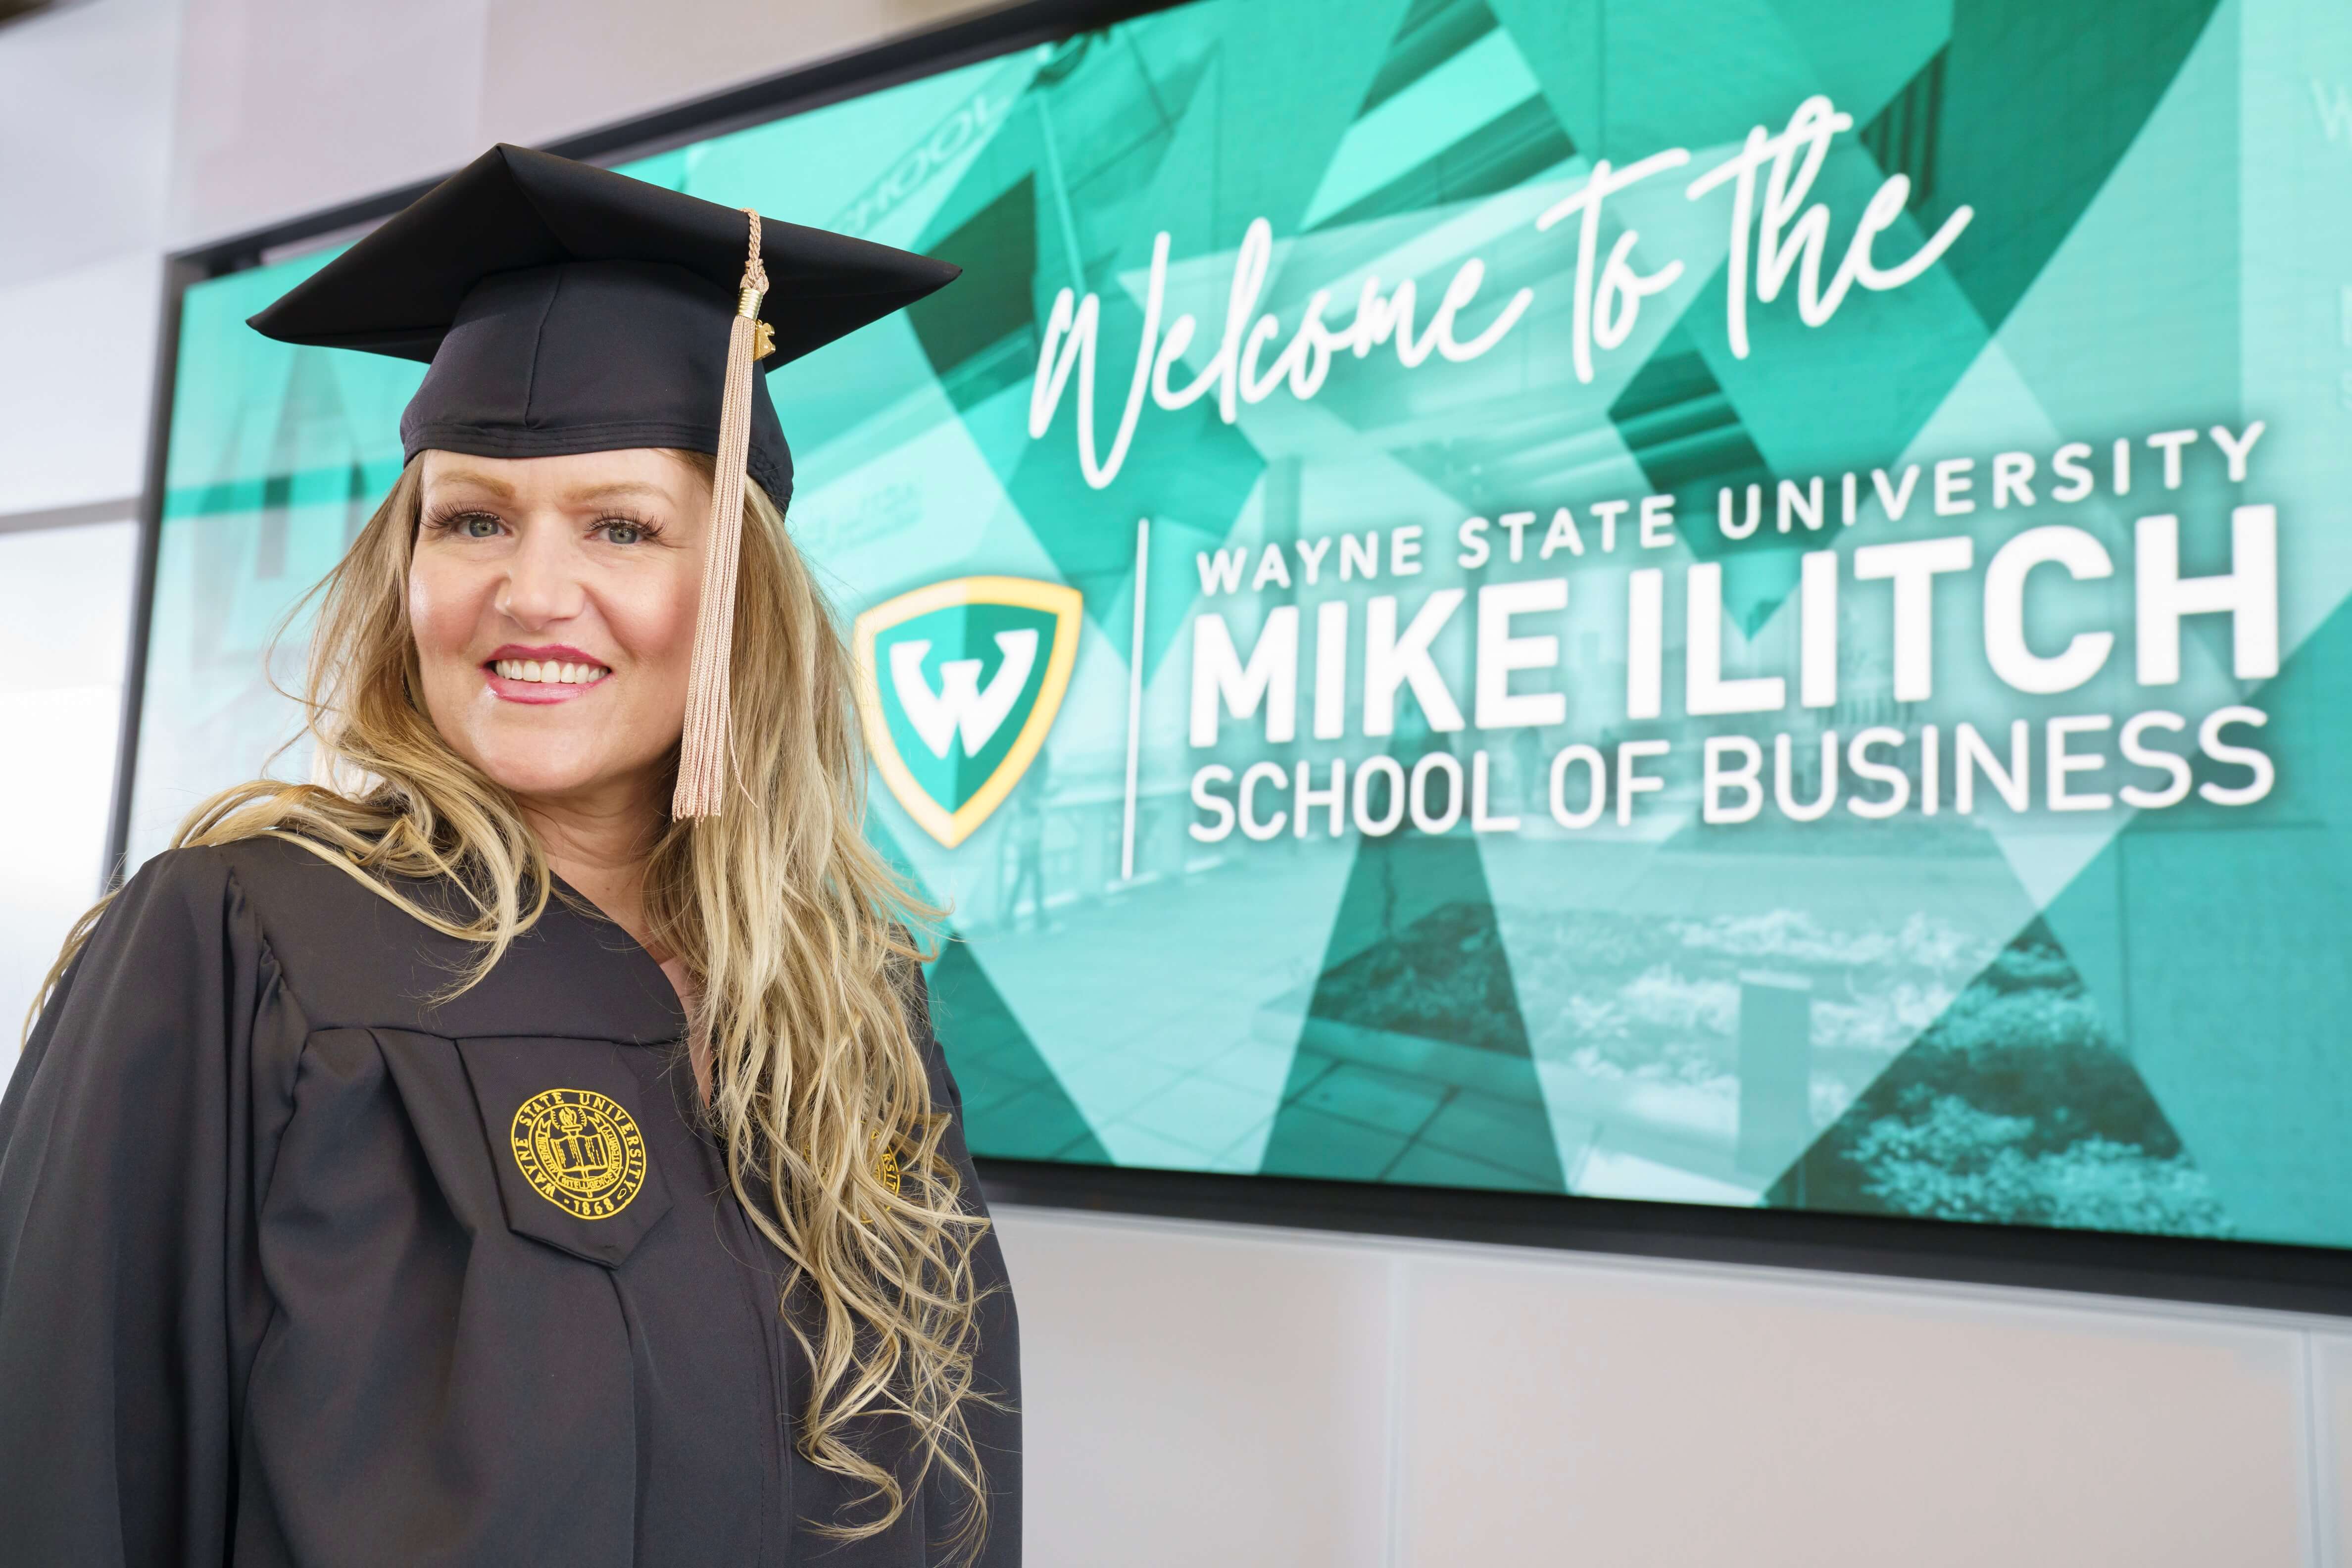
column 552, row 672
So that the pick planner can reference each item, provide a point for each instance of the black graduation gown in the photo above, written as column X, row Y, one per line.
column 276, row 1286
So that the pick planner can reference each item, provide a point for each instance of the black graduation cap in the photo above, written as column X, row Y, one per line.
column 567, row 308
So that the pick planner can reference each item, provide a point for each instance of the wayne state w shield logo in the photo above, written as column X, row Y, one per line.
column 958, row 683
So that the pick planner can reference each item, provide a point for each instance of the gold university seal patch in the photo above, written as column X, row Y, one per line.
column 580, row 1150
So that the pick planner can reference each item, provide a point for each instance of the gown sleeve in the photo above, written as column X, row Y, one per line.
column 128, row 1146
column 995, row 1428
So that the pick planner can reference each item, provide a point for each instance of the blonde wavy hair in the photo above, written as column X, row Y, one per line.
column 798, row 938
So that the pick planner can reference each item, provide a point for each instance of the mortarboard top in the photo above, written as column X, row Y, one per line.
column 566, row 309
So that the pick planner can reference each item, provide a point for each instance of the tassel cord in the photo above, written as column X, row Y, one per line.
column 705, row 762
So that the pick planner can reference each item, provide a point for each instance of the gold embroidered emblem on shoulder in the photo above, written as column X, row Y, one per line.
column 580, row 1150
column 886, row 1169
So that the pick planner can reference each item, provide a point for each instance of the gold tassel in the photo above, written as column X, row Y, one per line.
column 706, row 757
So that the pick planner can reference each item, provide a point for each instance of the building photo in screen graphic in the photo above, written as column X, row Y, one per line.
column 1614, row 608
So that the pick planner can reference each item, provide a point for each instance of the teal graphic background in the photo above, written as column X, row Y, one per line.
column 2106, row 1019
column 962, row 632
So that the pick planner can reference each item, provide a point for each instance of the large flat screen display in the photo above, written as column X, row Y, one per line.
column 1737, row 602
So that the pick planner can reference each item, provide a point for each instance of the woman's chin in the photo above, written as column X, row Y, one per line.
column 533, row 778
column 548, row 754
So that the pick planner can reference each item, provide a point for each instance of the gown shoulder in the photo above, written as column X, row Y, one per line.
column 137, row 1127
column 178, row 963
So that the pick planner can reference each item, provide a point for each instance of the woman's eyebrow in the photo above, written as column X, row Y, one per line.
column 618, row 488
column 478, row 479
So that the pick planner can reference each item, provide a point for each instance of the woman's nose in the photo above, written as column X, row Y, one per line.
column 543, row 582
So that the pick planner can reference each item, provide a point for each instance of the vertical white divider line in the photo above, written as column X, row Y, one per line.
column 1392, row 1417
column 2315, row 1440
column 1134, row 698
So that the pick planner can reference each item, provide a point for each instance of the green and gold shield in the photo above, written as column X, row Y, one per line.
column 958, row 683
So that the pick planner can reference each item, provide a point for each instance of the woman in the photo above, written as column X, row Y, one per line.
column 536, row 1150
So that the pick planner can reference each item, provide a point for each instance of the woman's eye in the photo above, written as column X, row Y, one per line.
column 478, row 525
column 621, row 530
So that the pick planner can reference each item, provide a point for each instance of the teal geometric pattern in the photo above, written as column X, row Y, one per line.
column 2112, row 1019
column 1414, row 1063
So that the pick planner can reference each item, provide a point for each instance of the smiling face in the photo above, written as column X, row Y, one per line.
column 553, row 603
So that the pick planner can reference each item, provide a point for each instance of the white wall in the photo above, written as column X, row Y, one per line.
column 65, row 622
column 1251, row 1398
column 86, row 111
column 1197, row 1394
column 289, row 106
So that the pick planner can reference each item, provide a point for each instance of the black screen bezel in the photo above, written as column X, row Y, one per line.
column 2226, row 1273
